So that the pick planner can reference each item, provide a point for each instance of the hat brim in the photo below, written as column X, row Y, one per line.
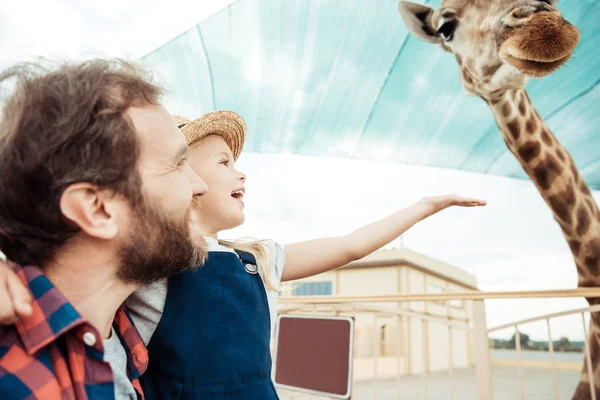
column 227, row 124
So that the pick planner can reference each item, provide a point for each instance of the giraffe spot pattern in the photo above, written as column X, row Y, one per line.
column 531, row 124
column 546, row 172
column 522, row 108
column 496, row 96
column 592, row 256
column 583, row 220
column 561, row 155
column 467, row 78
column 495, row 99
column 529, row 151
column 591, row 206
column 575, row 246
column 546, row 137
column 514, row 128
column 489, row 70
column 506, row 109
column 593, row 301
column 594, row 348
column 562, row 203
column 585, row 189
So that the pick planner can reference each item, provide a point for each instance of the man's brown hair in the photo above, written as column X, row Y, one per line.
column 59, row 127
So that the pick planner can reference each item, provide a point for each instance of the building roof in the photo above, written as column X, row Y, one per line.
column 396, row 257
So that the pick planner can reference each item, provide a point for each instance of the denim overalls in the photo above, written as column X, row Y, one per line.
column 212, row 341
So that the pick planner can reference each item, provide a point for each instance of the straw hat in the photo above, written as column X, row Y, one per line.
column 227, row 124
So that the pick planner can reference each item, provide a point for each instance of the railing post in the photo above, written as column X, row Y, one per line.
column 519, row 362
column 398, row 346
column 588, row 357
column 551, row 349
column 425, row 357
column 451, row 361
column 375, row 353
column 483, row 373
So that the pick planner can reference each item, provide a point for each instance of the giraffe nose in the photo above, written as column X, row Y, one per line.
column 523, row 14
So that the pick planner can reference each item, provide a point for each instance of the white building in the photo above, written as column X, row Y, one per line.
column 400, row 340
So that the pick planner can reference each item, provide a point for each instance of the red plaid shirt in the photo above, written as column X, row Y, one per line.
column 57, row 354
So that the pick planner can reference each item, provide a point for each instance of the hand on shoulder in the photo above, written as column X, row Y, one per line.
column 15, row 299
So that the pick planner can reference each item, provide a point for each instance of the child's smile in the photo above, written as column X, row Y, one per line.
column 238, row 194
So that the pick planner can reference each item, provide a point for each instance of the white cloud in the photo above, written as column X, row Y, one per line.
column 89, row 28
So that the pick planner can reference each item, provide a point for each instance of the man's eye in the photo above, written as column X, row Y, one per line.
column 182, row 162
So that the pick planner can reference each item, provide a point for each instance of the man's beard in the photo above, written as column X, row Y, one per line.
column 159, row 247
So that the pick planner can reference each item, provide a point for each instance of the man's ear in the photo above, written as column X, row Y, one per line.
column 92, row 209
column 417, row 19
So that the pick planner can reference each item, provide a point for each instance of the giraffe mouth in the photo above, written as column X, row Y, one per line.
column 536, row 69
column 541, row 46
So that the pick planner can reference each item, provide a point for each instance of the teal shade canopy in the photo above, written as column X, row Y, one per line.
column 343, row 78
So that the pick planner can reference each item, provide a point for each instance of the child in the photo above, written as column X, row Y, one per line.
column 208, row 330
column 213, row 338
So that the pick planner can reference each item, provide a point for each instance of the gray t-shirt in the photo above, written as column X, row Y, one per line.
column 114, row 354
column 146, row 304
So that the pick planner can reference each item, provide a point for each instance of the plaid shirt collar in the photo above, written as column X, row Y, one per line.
column 53, row 316
column 33, row 331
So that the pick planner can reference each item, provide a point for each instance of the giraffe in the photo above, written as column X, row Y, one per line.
column 498, row 45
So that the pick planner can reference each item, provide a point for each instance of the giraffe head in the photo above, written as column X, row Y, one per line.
column 498, row 43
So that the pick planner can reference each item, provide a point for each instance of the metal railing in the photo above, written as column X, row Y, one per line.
column 474, row 326
column 547, row 319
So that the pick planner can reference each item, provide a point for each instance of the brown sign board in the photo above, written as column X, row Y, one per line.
column 314, row 354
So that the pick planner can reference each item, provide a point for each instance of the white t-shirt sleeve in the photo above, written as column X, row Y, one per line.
column 146, row 306
column 276, row 261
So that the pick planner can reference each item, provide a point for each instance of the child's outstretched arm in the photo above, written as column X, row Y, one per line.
column 15, row 299
column 313, row 257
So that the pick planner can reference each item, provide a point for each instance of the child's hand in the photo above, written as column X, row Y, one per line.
column 442, row 202
column 15, row 299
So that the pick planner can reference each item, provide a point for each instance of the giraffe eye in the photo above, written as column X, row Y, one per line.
column 446, row 30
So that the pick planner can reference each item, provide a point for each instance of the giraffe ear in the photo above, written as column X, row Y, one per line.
column 417, row 19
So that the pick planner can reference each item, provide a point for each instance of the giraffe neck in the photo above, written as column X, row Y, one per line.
column 550, row 167
column 555, row 175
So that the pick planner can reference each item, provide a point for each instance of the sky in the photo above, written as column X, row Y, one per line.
column 512, row 244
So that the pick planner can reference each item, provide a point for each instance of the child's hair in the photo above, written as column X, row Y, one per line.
column 259, row 249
